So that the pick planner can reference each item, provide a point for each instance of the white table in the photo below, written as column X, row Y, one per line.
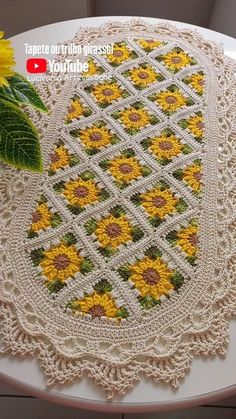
column 208, row 380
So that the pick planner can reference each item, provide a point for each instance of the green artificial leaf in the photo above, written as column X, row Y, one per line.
column 19, row 141
column 21, row 90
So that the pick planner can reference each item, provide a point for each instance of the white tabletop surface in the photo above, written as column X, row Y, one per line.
column 208, row 379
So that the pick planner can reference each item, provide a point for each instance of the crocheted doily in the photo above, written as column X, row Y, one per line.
column 119, row 260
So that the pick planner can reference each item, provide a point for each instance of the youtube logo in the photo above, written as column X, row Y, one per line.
column 36, row 65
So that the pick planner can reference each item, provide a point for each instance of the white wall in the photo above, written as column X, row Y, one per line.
column 190, row 11
column 17, row 16
column 224, row 17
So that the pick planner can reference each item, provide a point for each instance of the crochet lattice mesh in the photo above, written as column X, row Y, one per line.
column 120, row 259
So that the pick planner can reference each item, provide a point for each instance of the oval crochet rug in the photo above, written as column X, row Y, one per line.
column 119, row 261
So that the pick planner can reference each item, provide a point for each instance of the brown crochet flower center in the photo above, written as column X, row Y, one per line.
column 95, row 136
column 171, row 99
column 118, row 53
column 197, row 176
column 81, row 191
column 71, row 108
column 200, row 125
column 159, row 202
column 151, row 276
column 107, row 92
column 134, row 117
column 96, row 311
column 176, row 60
column 37, row 216
column 61, row 262
column 143, row 75
column 165, row 145
column 193, row 239
column 125, row 168
column 54, row 157
column 113, row 230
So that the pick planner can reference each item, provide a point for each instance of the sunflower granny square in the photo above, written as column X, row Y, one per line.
column 119, row 259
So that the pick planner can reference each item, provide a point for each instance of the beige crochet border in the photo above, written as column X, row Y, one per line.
column 182, row 332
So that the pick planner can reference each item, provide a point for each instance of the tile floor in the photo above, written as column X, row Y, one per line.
column 14, row 404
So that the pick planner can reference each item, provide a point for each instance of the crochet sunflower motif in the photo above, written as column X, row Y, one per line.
column 176, row 59
column 159, row 202
column 143, row 76
column 61, row 158
column 113, row 230
column 191, row 175
column 60, row 262
column 186, row 238
column 125, row 168
column 107, row 93
column 135, row 117
column 81, row 192
column 115, row 260
column 77, row 109
column 95, row 137
column 196, row 81
column 99, row 303
column 43, row 218
column 93, row 69
column 171, row 99
column 148, row 45
column 166, row 146
column 121, row 53
column 194, row 124
column 151, row 277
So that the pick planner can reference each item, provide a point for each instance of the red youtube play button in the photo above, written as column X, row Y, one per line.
column 36, row 65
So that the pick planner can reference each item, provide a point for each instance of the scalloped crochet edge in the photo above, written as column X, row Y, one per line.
column 209, row 340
